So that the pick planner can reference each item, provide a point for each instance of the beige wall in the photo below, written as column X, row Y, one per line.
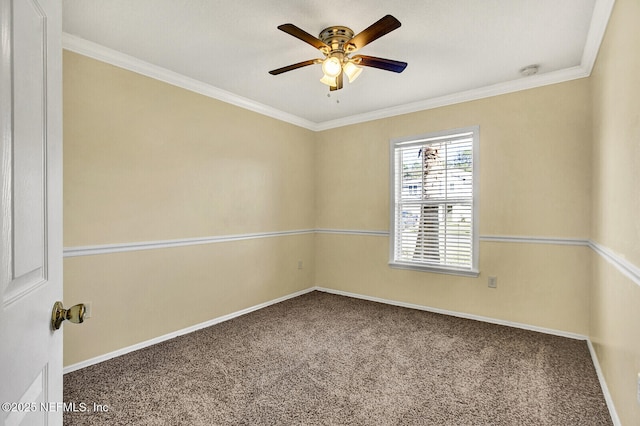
column 141, row 295
column 145, row 161
column 538, row 284
column 615, row 298
column 534, row 163
column 148, row 161
column 534, row 181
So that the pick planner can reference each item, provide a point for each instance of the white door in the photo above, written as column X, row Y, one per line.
column 31, row 209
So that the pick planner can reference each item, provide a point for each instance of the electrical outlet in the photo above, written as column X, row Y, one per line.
column 87, row 310
column 493, row 282
column 299, row 264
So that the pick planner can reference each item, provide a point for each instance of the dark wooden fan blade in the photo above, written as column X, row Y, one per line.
column 305, row 36
column 381, row 63
column 384, row 26
column 293, row 67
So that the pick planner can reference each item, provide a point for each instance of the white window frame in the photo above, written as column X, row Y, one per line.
column 395, row 210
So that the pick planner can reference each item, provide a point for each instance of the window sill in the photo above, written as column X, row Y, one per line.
column 435, row 270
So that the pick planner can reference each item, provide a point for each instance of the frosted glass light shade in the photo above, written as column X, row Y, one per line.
column 352, row 71
column 331, row 67
column 329, row 81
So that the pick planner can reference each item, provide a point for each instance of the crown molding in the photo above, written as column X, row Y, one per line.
column 599, row 20
column 523, row 83
column 113, row 57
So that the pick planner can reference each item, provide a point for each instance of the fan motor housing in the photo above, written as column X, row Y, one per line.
column 336, row 37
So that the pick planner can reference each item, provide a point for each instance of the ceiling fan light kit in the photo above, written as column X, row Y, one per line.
column 337, row 44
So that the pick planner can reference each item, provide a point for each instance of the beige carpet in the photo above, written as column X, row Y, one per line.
column 322, row 359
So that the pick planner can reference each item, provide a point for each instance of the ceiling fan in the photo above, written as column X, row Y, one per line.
column 337, row 44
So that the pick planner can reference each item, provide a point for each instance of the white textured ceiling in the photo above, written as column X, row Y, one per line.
column 454, row 48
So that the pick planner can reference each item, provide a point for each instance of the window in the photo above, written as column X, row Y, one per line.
column 434, row 180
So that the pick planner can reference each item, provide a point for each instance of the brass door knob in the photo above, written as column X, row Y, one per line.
column 74, row 314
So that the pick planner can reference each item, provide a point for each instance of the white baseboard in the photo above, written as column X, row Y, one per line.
column 456, row 314
column 603, row 384
column 141, row 345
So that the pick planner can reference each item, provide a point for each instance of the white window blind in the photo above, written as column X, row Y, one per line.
column 433, row 218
